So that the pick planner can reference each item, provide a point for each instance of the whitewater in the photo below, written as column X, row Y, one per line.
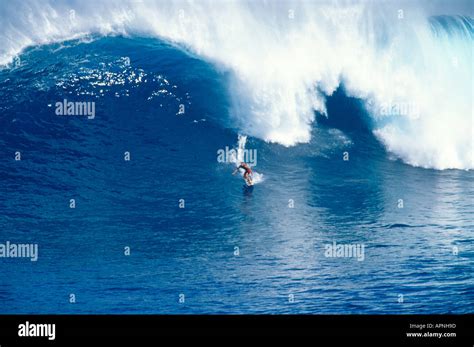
column 411, row 65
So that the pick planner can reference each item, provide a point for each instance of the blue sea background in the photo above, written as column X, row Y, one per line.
column 138, row 85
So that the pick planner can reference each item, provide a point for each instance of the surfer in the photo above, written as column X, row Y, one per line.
column 247, row 172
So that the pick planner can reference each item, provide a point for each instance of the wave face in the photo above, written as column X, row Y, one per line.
column 412, row 70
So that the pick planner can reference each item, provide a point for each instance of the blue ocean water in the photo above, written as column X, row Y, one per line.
column 422, row 252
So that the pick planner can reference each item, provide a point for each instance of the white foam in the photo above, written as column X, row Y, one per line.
column 286, row 57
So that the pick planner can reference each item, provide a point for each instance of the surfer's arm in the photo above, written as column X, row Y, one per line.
column 236, row 170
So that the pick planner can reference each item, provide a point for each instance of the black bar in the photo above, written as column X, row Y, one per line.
column 390, row 328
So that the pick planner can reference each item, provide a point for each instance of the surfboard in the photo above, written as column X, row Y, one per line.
column 248, row 182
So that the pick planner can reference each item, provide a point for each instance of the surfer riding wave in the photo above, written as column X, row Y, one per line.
column 247, row 172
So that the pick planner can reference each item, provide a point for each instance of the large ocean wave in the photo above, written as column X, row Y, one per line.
column 411, row 66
